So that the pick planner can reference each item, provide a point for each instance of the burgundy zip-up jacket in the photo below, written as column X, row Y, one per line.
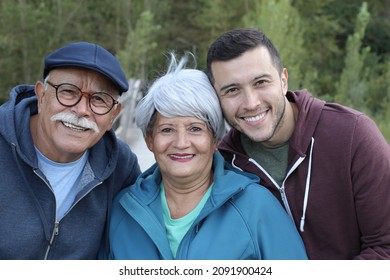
column 337, row 188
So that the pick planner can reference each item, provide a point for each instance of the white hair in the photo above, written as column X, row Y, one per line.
column 181, row 92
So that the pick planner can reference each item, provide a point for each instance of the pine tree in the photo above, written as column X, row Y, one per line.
column 352, row 86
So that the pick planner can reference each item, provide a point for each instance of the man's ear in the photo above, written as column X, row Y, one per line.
column 117, row 110
column 40, row 92
column 114, row 113
column 284, row 79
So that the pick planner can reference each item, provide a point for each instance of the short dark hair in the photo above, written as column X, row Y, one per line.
column 235, row 42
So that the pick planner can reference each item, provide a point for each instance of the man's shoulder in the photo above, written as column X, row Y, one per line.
column 125, row 154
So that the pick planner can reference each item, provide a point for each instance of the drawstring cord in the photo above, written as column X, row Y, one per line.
column 307, row 187
column 233, row 164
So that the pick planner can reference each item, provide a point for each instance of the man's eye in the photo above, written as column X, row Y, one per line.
column 68, row 92
column 98, row 100
column 261, row 82
column 231, row 91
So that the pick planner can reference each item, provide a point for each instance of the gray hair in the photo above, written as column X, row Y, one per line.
column 45, row 81
column 181, row 92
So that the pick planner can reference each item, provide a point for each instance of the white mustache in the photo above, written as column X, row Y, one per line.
column 75, row 120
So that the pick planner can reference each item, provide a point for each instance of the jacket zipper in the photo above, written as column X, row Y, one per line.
column 55, row 233
column 281, row 188
column 57, row 223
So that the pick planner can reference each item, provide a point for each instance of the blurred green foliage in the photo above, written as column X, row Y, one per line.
column 338, row 50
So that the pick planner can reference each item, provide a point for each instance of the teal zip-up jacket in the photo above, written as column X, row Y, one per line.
column 240, row 220
column 28, row 226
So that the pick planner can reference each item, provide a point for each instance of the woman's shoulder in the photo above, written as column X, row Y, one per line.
column 257, row 196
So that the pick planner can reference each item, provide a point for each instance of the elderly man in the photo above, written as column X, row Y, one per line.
column 61, row 162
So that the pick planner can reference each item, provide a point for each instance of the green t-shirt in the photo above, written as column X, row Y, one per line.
column 177, row 228
column 273, row 160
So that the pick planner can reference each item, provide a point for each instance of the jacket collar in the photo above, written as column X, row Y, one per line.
column 227, row 182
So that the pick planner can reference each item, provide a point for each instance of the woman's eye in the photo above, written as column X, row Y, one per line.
column 195, row 129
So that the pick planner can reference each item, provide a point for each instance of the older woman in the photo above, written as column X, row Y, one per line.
column 190, row 205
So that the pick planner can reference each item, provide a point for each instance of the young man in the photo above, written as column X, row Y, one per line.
column 327, row 164
column 61, row 163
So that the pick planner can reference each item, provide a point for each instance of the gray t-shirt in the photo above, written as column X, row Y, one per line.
column 273, row 160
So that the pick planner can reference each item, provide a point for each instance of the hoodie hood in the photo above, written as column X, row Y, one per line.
column 16, row 111
column 302, row 140
column 310, row 110
column 15, row 118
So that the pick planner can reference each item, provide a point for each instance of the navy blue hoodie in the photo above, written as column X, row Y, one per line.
column 28, row 227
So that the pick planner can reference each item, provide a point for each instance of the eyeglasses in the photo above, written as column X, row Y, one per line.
column 69, row 95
